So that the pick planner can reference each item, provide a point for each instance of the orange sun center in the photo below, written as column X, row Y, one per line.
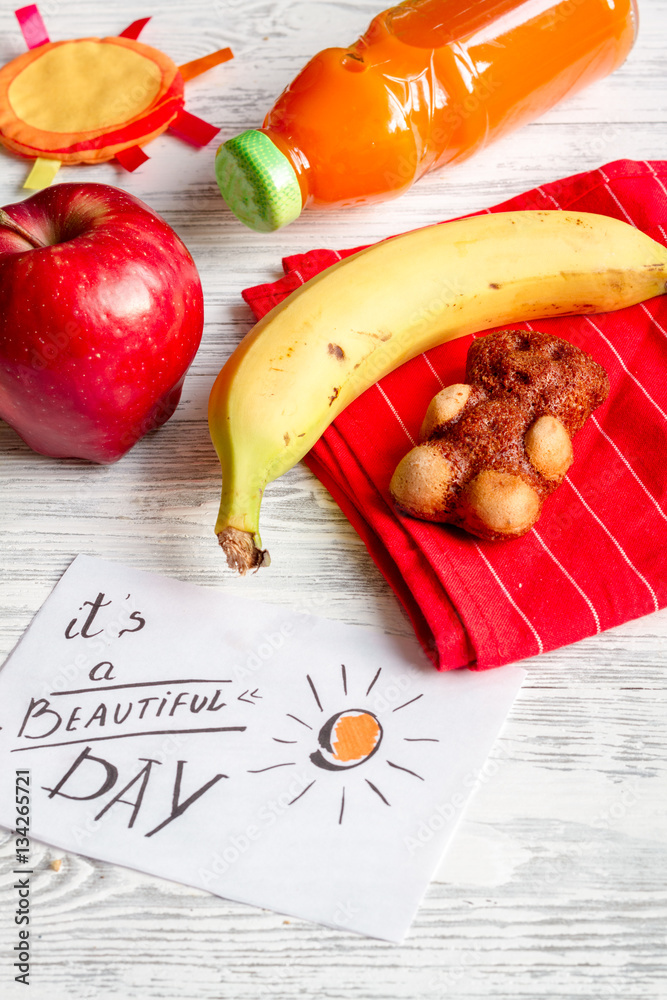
column 354, row 736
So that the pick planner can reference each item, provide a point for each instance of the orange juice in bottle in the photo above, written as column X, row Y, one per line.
column 429, row 83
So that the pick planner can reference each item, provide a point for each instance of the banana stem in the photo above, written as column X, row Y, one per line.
column 241, row 551
column 237, row 527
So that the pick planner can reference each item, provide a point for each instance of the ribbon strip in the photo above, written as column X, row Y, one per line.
column 42, row 174
column 134, row 30
column 189, row 70
column 31, row 24
column 192, row 129
column 131, row 158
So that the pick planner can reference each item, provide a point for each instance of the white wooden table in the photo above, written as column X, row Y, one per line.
column 556, row 884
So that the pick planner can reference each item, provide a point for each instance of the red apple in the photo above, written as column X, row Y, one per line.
column 101, row 314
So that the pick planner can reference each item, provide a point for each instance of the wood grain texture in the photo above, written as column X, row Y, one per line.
column 556, row 884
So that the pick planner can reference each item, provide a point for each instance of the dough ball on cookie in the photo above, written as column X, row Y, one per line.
column 422, row 483
column 548, row 447
column 444, row 407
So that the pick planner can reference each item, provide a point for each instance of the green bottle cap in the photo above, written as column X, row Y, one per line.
column 258, row 182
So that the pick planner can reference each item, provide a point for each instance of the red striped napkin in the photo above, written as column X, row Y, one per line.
column 598, row 555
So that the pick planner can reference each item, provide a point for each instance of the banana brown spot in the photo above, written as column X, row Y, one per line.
column 334, row 395
column 383, row 337
column 337, row 351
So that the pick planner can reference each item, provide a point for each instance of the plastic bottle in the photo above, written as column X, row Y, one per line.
column 429, row 83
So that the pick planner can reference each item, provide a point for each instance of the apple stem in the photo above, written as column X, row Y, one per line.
column 9, row 223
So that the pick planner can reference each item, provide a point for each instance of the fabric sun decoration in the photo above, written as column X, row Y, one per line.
column 89, row 100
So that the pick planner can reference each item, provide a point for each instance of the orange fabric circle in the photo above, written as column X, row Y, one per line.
column 85, row 100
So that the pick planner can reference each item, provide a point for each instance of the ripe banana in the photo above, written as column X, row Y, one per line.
column 342, row 331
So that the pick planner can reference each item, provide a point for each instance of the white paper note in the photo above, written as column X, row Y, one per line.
column 266, row 755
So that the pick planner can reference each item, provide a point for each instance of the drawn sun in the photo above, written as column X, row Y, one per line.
column 347, row 740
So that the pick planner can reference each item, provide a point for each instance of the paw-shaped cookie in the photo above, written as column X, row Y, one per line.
column 493, row 448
